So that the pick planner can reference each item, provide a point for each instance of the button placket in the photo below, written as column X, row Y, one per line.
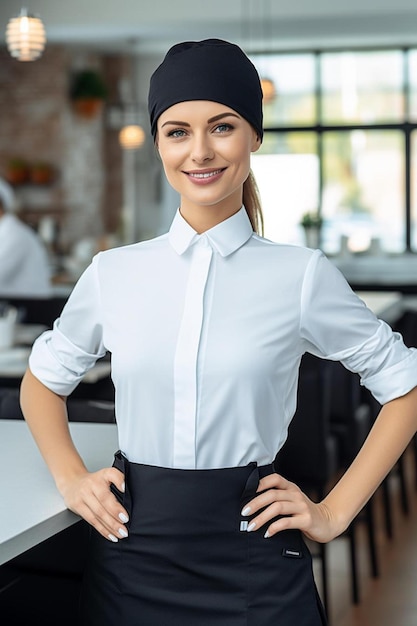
column 186, row 358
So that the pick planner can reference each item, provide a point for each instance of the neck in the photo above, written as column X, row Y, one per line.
column 202, row 218
column 204, row 222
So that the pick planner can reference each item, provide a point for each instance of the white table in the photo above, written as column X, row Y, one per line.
column 31, row 508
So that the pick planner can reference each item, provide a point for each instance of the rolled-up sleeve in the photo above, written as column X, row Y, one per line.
column 61, row 357
column 336, row 324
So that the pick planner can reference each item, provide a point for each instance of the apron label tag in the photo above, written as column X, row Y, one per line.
column 292, row 554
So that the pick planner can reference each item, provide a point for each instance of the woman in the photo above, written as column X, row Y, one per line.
column 207, row 326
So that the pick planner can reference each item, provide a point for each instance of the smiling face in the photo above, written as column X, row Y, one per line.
column 205, row 149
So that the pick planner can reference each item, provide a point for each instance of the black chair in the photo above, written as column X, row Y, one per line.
column 407, row 326
column 9, row 404
column 309, row 456
column 37, row 310
column 100, row 411
column 350, row 422
column 397, row 472
column 316, row 453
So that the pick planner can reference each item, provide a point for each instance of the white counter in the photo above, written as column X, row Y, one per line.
column 31, row 509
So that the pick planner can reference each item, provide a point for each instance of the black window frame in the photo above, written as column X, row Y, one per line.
column 405, row 127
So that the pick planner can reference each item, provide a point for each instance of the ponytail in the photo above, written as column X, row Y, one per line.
column 252, row 204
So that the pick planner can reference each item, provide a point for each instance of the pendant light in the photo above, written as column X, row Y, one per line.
column 268, row 87
column 268, row 90
column 25, row 37
column 262, row 21
column 132, row 137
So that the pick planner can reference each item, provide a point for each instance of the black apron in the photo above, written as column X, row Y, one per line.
column 188, row 560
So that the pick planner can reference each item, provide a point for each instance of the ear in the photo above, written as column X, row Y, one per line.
column 256, row 143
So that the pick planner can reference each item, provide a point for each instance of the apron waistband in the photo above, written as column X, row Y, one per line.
column 253, row 471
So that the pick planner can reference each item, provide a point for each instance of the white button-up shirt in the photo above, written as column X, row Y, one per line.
column 206, row 333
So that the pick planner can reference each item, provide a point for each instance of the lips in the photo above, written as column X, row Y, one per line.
column 205, row 176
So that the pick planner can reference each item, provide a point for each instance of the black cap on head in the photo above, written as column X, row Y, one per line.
column 211, row 69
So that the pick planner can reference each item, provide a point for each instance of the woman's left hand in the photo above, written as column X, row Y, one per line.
column 279, row 496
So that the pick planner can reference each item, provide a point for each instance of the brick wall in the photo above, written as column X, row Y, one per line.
column 37, row 123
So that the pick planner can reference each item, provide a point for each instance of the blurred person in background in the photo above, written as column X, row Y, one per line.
column 24, row 263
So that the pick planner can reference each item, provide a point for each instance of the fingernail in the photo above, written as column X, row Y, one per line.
column 123, row 533
column 266, row 535
column 246, row 510
column 124, row 518
column 123, row 487
column 251, row 527
column 113, row 538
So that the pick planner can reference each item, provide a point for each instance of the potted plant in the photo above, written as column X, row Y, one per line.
column 17, row 171
column 312, row 223
column 87, row 92
column 41, row 173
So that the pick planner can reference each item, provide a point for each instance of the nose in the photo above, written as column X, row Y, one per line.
column 201, row 149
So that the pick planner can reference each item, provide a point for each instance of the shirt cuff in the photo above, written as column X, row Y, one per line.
column 58, row 363
column 394, row 381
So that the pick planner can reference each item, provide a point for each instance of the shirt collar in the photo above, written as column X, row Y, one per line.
column 225, row 237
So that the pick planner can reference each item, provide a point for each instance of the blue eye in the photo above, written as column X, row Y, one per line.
column 176, row 133
column 223, row 128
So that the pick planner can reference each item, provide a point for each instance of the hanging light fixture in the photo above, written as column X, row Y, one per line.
column 263, row 24
column 132, row 137
column 25, row 37
column 268, row 90
column 268, row 87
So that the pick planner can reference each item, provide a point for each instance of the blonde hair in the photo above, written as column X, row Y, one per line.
column 252, row 204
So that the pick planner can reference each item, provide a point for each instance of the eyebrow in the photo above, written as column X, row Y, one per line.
column 209, row 121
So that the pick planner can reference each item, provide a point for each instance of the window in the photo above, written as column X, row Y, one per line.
column 412, row 81
column 341, row 139
column 363, row 191
column 362, row 87
column 293, row 77
column 284, row 160
column 413, row 219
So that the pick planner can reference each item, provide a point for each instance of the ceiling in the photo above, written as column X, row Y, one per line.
column 255, row 24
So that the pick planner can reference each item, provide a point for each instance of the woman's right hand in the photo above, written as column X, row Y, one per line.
column 88, row 494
